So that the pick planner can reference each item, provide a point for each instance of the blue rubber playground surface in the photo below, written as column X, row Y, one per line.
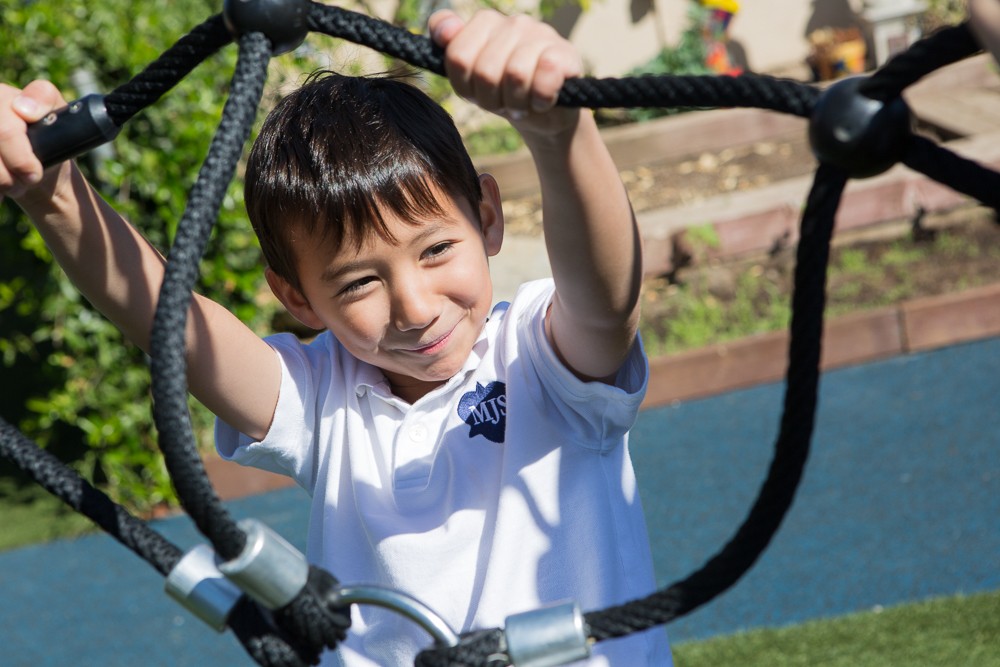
column 900, row 502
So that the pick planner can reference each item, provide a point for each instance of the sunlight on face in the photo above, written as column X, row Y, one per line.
column 414, row 307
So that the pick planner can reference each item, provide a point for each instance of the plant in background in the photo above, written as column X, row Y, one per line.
column 80, row 388
column 942, row 13
column 686, row 57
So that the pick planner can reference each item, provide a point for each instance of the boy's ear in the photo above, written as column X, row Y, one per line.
column 491, row 214
column 293, row 300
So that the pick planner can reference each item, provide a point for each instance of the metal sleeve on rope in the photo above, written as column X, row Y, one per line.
column 547, row 637
column 270, row 570
column 198, row 585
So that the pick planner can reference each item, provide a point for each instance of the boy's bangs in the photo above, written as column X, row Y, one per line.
column 358, row 202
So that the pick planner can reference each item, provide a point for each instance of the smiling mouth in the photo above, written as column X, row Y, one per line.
column 433, row 346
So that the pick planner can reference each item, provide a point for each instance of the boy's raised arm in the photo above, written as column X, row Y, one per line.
column 230, row 370
column 516, row 66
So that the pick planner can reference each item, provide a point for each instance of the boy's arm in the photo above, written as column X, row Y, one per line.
column 515, row 66
column 230, row 370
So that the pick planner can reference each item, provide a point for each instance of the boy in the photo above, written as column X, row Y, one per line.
column 473, row 458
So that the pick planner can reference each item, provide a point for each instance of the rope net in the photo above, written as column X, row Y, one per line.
column 314, row 620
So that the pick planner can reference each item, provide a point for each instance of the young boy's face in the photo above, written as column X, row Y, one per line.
column 413, row 308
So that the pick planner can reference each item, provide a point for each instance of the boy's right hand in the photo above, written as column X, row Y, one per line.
column 20, row 171
column 985, row 18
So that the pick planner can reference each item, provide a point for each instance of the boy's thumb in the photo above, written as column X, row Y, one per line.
column 37, row 99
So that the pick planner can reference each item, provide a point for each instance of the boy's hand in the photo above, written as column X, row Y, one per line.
column 510, row 65
column 985, row 17
column 20, row 170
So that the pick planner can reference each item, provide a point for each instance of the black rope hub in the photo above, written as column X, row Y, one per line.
column 858, row 128
column 861, row 135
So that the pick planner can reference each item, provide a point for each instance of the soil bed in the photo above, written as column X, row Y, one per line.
column 713, row 302
column 689, row 180
column 710, row 301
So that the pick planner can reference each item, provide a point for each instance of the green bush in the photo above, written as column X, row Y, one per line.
column 71, row 382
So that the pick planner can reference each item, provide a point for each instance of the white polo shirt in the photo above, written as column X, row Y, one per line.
column 506, row 488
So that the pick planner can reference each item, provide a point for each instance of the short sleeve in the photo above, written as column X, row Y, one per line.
column 602, row 412
column 286, row 447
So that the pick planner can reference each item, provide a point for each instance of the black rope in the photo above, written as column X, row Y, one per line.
column 959, row 173
column 944, row 47
column 163, row 73
column 268, row 646
column 169, row 369
column 253, row 627
column 305, row 617
column 747, row 90
column 791, row 447
column 482, row 648
column 66, row 484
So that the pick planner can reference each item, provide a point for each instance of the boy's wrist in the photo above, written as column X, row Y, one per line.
column 554, row 130
column 45, row 197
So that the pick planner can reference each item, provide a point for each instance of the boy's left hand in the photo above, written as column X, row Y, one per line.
column 511, row 65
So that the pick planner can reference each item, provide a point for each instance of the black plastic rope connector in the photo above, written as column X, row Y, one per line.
column 283, row 22
column 861, row 135
column 66, row 133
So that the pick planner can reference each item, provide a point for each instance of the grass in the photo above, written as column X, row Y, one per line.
column 31, row 515
column 961, row 630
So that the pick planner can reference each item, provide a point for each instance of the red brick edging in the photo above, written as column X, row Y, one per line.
column 919, row 324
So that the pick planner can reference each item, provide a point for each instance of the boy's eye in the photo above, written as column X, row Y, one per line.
column 438, row 249
column 356, row 286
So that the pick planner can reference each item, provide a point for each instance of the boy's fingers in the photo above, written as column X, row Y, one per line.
column 465, row 48
column 19, row 168
column 443, row 25
column 554, row 67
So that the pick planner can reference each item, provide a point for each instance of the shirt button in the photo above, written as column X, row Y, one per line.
column 418, row 433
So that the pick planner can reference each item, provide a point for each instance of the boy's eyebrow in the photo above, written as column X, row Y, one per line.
column 428, row 229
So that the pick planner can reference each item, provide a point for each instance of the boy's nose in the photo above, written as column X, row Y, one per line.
column 412, row 307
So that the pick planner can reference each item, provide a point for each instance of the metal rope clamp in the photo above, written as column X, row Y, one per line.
column 270, row 570
column 198, row 585
column 546, row 637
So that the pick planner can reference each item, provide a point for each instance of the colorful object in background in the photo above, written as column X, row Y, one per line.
column 715, row 33
column 836, row 52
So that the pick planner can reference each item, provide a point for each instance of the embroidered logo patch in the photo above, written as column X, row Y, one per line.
column 485, row 411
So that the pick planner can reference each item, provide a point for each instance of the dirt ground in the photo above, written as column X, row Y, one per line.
column 908, row 259
column 690, row 179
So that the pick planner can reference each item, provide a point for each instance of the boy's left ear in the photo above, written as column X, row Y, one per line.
column 491, row 214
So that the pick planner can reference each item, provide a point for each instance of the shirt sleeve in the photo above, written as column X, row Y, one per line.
column 601, row 413
column 286, row 449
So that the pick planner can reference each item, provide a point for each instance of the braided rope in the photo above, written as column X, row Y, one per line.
column 170, row 409
column 163, row 73
column 66, row 484
column 792, row 445
column 944, row 47
column 791, row 449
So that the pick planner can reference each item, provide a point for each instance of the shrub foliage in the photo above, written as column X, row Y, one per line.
column 70, row 380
